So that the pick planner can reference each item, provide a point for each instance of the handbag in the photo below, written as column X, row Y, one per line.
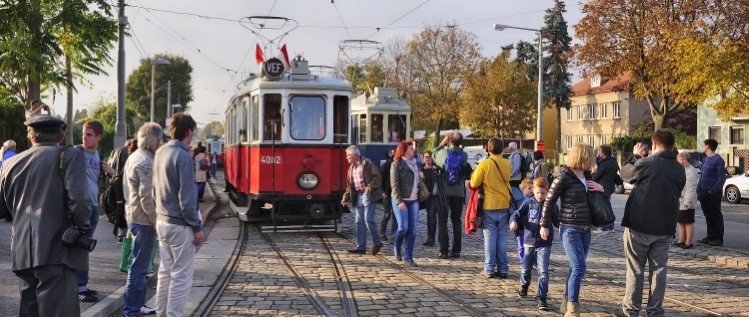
column 126, row 259
column 423, row 191
column 600, row 209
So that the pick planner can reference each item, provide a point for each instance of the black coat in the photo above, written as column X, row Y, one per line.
column 385, row 173
column 606, row 174
column 574, row 199
column 654, row 201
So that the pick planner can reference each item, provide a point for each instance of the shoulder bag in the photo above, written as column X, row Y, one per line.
column 600, row 209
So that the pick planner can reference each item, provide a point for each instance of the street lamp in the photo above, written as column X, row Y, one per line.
column 174, row 106
column 155, row 62
column 540, row 120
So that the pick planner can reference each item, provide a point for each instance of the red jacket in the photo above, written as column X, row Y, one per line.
column 473, row 211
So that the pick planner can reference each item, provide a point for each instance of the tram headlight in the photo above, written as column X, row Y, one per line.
column 307, row 180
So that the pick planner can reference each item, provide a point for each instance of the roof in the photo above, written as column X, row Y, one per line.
column 621, row 83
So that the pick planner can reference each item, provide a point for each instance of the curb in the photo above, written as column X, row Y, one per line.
column 114, row 301
column 720, row 255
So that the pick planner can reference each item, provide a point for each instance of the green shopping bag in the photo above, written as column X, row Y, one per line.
column 126, row 258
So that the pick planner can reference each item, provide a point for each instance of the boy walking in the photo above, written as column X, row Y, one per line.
column 537, row 249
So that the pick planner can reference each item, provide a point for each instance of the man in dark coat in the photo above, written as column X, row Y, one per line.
column 606, row 174
column 32, row 191
column 387, row 205
column 650, row 222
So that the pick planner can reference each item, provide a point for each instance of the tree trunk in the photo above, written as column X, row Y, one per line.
column 69, row 86
column 559, row 133
column 437, row 139
column 660, row 121
column 34, row 88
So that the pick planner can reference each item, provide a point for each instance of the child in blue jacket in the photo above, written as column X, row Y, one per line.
column 537, row 250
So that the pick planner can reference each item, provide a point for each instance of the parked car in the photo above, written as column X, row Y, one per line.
column 736, row 188
column 620, row 189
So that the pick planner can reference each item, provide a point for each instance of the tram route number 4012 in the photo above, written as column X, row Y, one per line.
column 270, row 160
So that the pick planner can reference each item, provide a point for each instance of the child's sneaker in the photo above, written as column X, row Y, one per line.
column 523, row 291
column 542, row 304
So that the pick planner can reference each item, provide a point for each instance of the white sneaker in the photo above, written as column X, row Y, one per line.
column 145, row 310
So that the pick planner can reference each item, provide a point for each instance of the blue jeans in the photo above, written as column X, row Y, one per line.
column 576, row 242
column 540, row 257
column 521, row 248
column 365, row 221
column 83, row 275
column 213, row 169
column 431, row 215
column 495, row 223
column 407, row 220
column 135, row 289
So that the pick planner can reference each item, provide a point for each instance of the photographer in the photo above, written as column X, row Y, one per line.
column 33, row 194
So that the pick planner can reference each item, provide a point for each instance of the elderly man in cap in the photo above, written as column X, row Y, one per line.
column 41, row 189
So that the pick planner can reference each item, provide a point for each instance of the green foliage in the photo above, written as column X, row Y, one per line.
column 212, row 128
column 644, row 133
column 684, row 140
column 11, row 120
column 138, row 86
column 105, row 111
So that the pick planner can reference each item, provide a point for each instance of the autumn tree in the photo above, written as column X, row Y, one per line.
column 436, row 61
column 717, row 66
column 213, row 128
column 138, row 86
column 556, row 77
column 498, row 99
column 631, row 36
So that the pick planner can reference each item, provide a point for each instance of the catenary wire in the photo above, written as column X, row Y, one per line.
column 398, row 19
column 340, row 17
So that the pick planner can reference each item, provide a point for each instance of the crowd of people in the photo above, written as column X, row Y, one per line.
column 531, row 201
column 51, row 241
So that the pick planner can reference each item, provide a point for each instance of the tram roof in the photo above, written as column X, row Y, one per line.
column 375, row 103
column 315, row 82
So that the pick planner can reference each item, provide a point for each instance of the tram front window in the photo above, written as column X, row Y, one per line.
column 307, row 117
column 271, row 113
column 396, row 128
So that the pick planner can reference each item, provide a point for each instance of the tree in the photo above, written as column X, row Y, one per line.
column 213, row 128
column 138, row 86
column 30, row 33
column 637, row 37
column 11, row 120
column 434, row 62
column 497, row 100
column 719, row 65
column 556, row 77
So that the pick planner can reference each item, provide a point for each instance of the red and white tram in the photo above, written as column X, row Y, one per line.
column 286, row 135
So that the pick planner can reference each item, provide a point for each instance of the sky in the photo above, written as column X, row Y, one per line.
column 221, row 50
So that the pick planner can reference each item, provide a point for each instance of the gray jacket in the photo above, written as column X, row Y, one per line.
column 401, row 180
column 137, row 179
column 175, row 191
column 32, row 192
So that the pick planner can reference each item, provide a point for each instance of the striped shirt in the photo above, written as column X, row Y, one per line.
column 358, row 176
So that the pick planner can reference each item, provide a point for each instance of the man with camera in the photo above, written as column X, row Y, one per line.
column 46, row 200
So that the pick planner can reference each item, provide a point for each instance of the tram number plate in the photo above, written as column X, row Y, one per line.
column 270, row 160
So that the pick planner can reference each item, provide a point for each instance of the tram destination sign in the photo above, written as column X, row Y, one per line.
column 273, row 68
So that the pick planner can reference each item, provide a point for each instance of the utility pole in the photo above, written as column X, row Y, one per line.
column 120, row 134
column 168, row 102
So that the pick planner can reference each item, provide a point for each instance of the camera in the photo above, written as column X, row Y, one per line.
column 75, row 237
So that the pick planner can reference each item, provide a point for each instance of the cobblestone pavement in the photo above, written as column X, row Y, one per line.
column 263, row 286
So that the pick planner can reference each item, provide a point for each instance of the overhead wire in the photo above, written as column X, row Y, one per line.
column 340, row 17
column 398, row 19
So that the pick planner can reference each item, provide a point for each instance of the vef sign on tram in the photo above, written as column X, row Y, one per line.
column 273, row 68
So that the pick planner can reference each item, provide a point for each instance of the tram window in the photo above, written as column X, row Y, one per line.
column 245, row 117
column 396, row 128
column 377, row 127
column 307, row 117
column 362, row 128
column 254, row 122
column 340, row 119
column 272, row 111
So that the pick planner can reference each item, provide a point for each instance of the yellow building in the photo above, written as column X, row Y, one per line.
column 601, row 108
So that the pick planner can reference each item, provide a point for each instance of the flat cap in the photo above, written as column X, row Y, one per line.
column 46, row 124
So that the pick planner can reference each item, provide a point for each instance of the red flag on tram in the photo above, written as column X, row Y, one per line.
column 284, row 56
column 259, row 54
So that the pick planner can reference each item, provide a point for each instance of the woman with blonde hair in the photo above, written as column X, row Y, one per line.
column 571, row 186
column 687, row 201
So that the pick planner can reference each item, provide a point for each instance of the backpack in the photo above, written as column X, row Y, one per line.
column 454, row 167
column 204, row 165
column 112, row 202
column 523, row 170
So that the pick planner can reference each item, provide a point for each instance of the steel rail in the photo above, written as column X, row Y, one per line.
column 347, row 296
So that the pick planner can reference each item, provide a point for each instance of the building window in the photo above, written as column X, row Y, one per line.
column 592, row 140
column 603, row 111
column 591, row 112
column 569, row 114
column 616, row 110
column 580, row 139
column 713, row 133
column 569, row 142
column 604, row 139
column 580, row 111
column 737, row 134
